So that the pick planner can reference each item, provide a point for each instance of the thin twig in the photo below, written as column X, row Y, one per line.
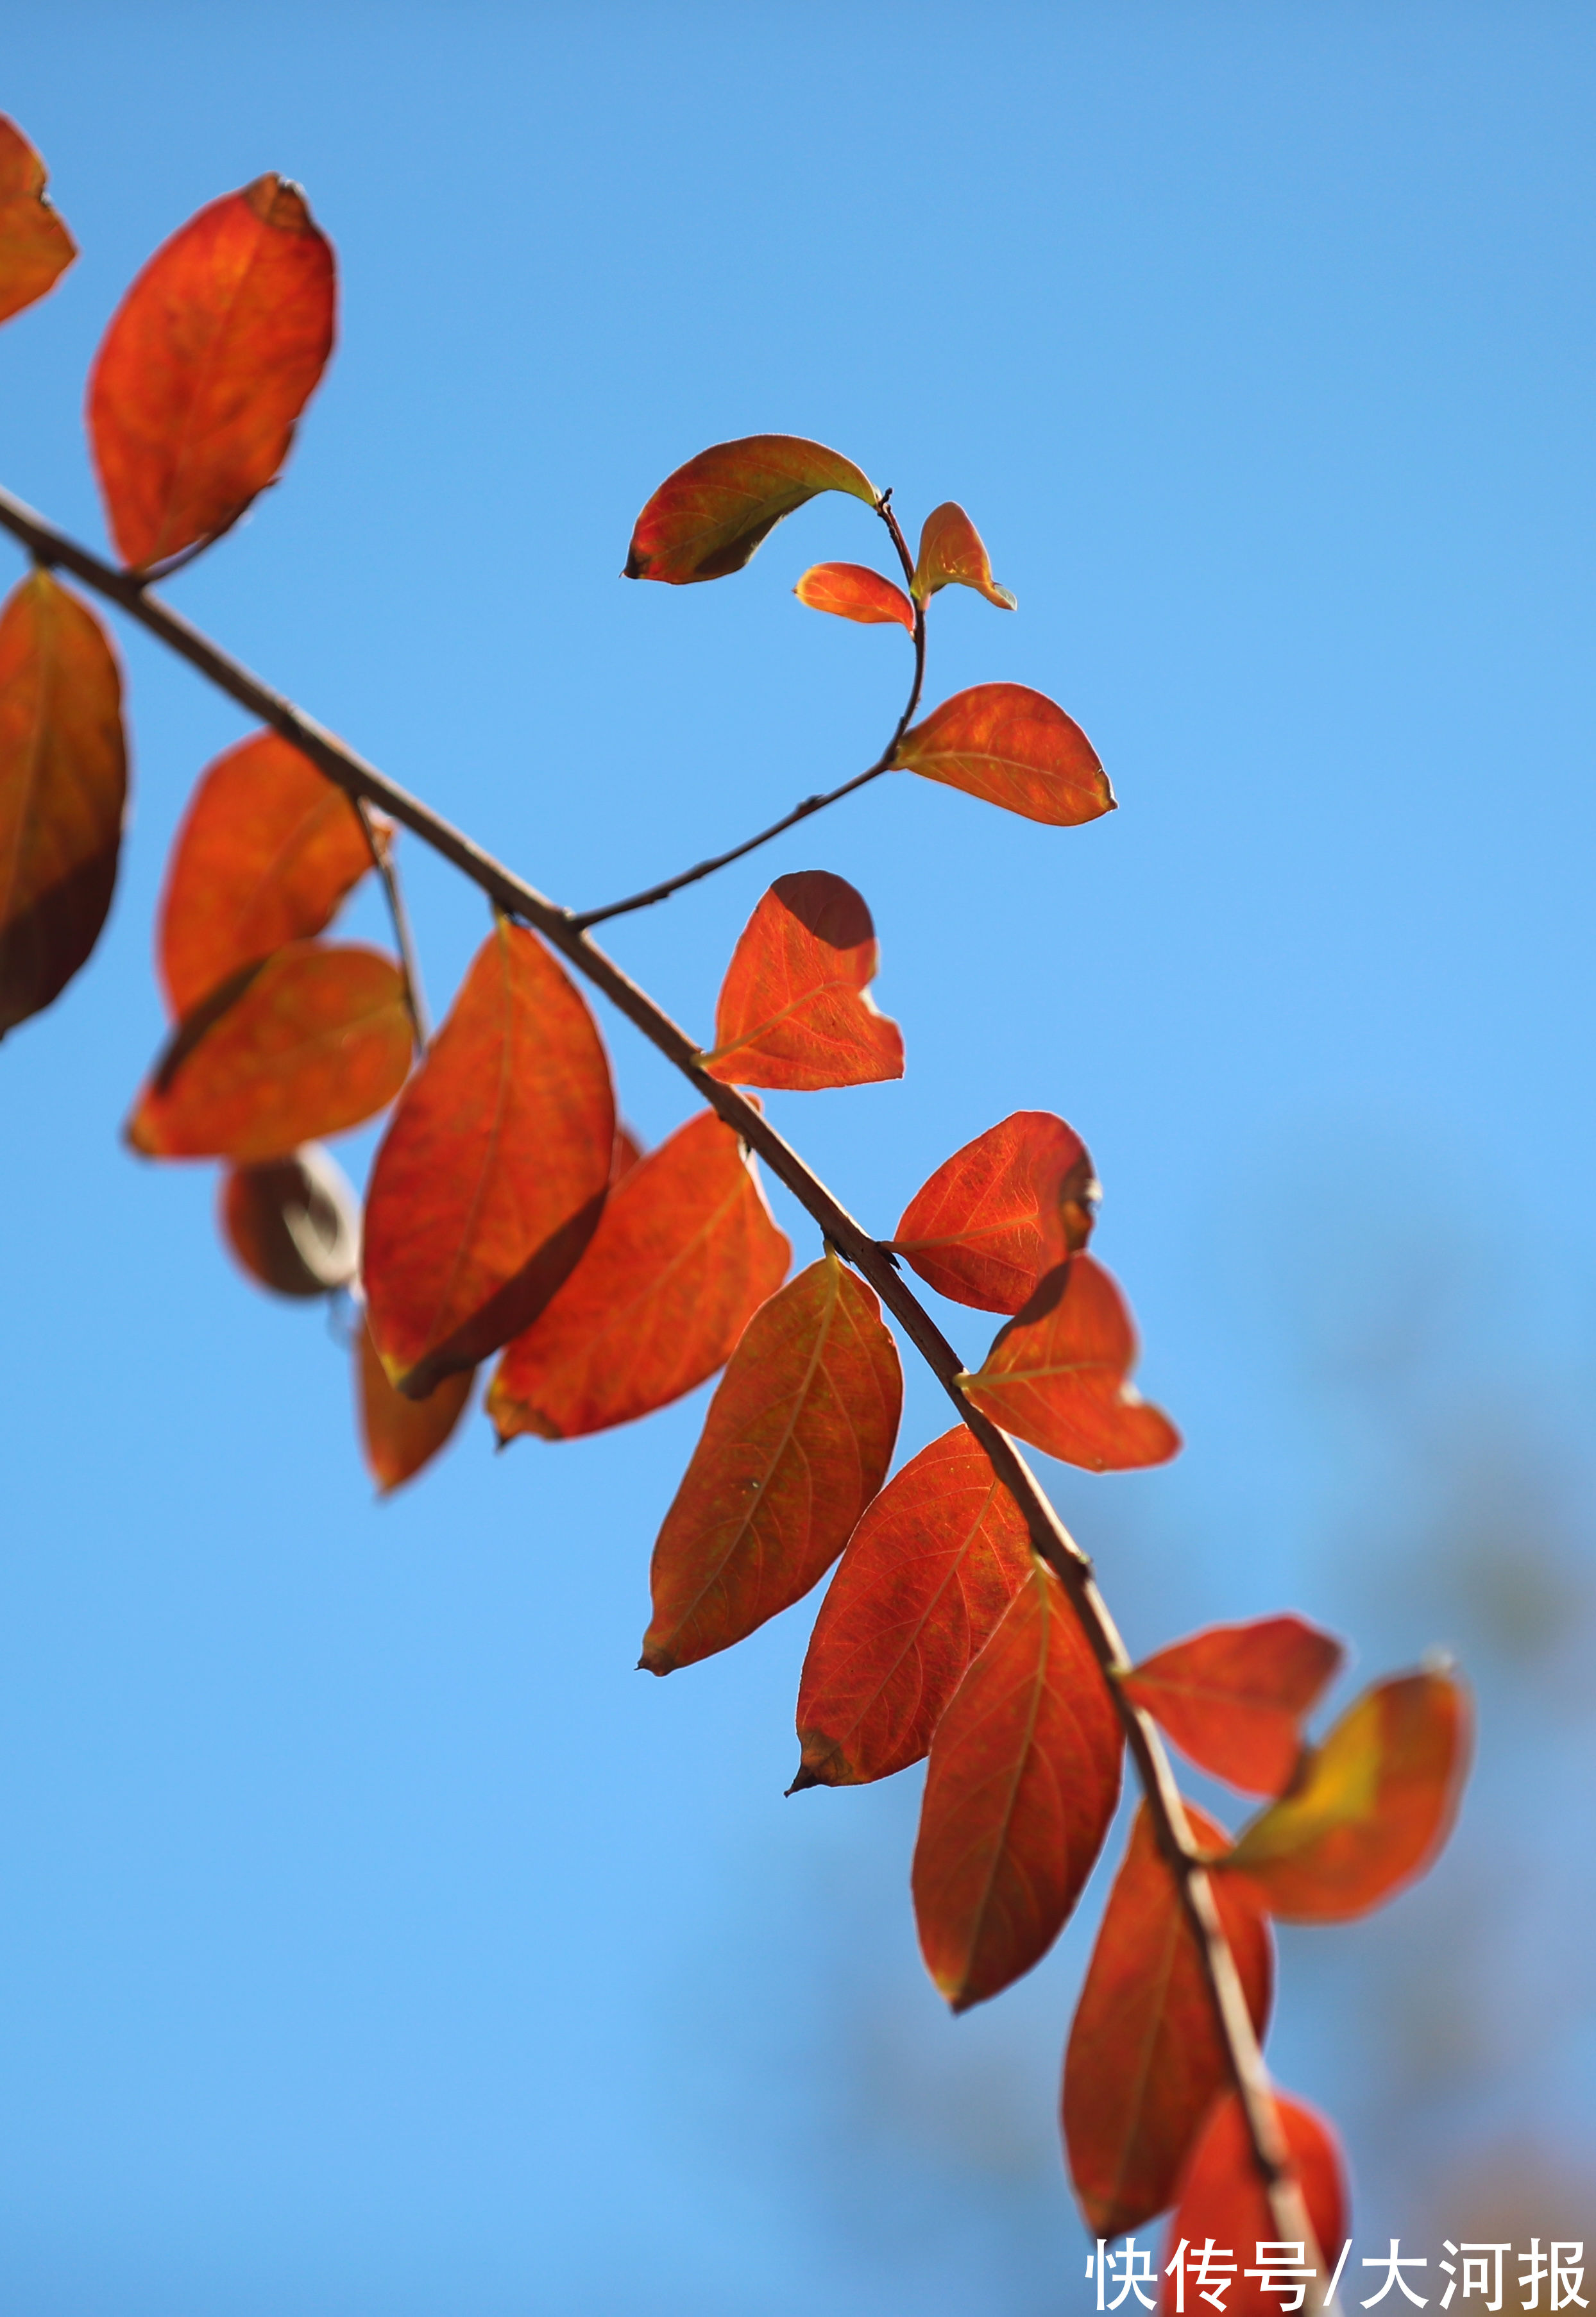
column 404, row 939
column 1049, row 1536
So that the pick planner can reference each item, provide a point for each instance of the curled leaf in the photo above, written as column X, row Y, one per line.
column 707, row 518
column 398, row 1435
column 854, row 592
column 951, row 553
column 1002, row 1213
column 63, row 790
column 208, row 361
column 797, row 1442
column 1233, row 1698
column 1014, row 748
column 35, row 246
column 1058, row 1376
column 293, row 1223
column 1223, row 2203
column 794, row 1010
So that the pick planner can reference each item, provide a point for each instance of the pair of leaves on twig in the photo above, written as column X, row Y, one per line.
column 951, row 553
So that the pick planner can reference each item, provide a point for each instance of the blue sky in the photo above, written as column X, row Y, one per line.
column 375, row 1939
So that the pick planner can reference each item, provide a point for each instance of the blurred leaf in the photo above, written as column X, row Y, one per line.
column 854, row 592
column 1057, row 1376
column 310, row 1042
column 293, row 1223
column 951, row 553
column 267, row 850
column 399, row 1435
column 1014, row 748
column 1022, row 1785
column 926, row 1577
column 1223, row 2201
column 492, row 1175
column 1370, row 1808
column 208, row 362
column 35, row 246
column 1145, row 2060
column 63, row 790
column 707, row 518
column 793, row 1010
column 685, row 1254
column 1233, row 1698
column 797, row 1441
column 1002, row 1213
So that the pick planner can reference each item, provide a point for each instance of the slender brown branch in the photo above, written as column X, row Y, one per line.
column 1050, row 1537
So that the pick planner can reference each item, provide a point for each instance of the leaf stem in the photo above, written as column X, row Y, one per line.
column 404, row 939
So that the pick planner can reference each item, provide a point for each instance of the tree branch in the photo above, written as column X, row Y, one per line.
column 1051, row 1539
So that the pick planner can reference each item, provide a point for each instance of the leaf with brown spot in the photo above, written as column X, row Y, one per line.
column 852, row 591
column 797, row 1441
column 1002, row 1213
column 794, row 1010
column 1223, row 2202
column 1014, row 748
column 707, row 518
column 63, row 792
column 293, row 1223
column 399, row 1435
column 951, row 554
column 35, row 246
column 1058, row 1376
column 1233, row 1698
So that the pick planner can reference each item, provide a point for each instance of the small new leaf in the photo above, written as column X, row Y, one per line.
column 794, row 1010
column 1014, row 748
column 854, row 592
column 35, row 246
column 707, row 518
column 1058, row 1376
column 1233, row 1698
column 1002, row 1213
column 951, row 554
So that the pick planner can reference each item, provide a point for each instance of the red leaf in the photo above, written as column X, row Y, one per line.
column 310, row 1042
column 854, row 592
column 685, row 1254
column 35, row 246
column 1222, row 2200
column 1001, row 1212
column 1057, row 1376
column 951, row 552
column 1016, row 749
column 793, row 1010
column 293, row 1223
column 1145, row 2062
column 400, row 1435
column 1370, row 1808
column 797, row 1441
column 1022, row 1783
column 266, row 852
column 492, row 1178
column 208, row 362
column 1233, row 1698
column 926, row 1578
column 63, row 792
column 706, row 519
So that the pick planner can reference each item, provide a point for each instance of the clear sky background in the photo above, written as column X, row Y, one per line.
column 374, row 1941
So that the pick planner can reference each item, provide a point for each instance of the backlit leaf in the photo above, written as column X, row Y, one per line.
column 1014, row 748
column 266, row 852
column 312, row 1041
column 35, row 246
column 951, row 553
column 926, row 1577
column 492, row 1174
column 63, row 790
column 293, row 1223
column 1002, row 1213
column 1222, row 2200
column 1057, row 1376
column 854, row 592
column 208, row 362
column 685, row 1254
column 1233, row 1698
column 793, row 1009
column 1371, row 1807
column 1145, row 2062
column 707, row 519
column 797, row 1441
column 1023, row 1781
column 399, row 1435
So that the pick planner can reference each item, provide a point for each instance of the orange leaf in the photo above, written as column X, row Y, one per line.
column 35, row 246
column 926, row 1577
column 1233, row 1698
column 63, row 790
column 797, row 1441
column 310, row 1042
column 1057, row 1376
column 208, row 362
column 1370, row 1807
column 793, row 1010
column 951, row 552
column 491, row 1178
column 293, row 1223
column 1001, row 1212
column 1014, row 748
column 1223, row 2203
column 1145, row 2062
column 400, row 1435
column 266, row 852
column 1023, row 1781
column 854, row 592
column 685, row 1254
column 706, row 519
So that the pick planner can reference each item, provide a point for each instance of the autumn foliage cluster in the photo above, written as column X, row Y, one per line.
column 510, row 1218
